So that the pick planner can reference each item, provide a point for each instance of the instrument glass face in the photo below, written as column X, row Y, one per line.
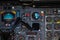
column 8, row 16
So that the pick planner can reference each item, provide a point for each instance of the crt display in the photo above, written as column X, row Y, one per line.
column 8, row 16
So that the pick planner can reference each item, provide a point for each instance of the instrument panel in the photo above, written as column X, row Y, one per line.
column 29, row 23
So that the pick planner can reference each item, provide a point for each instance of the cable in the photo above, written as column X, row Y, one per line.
column 19, row 21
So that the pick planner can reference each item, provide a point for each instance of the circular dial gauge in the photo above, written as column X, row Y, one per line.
column 36, row 15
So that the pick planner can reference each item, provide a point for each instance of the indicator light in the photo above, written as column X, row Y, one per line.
column 27, row 14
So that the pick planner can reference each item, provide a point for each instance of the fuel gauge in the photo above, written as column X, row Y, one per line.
column 57, row 26
column 49, row 26
column 49, row 19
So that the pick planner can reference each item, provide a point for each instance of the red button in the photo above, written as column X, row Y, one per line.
column 27, row 14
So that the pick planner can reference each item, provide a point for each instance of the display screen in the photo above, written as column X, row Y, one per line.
column 8, row 16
